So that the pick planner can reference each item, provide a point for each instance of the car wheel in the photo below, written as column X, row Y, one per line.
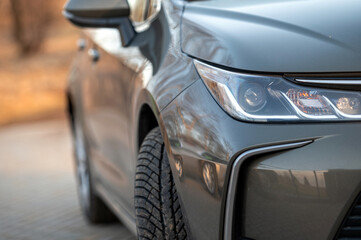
column 92, row 206
column 158, row 211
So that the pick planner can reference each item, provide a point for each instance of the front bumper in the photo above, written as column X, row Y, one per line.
column 296, row 193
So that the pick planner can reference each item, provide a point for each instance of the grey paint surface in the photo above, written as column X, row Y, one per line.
column 231, row 211
column 275, row 36
column 110, row 93
column 205, row 133
column 304, row 193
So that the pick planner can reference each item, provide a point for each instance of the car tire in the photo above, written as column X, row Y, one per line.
column 158, row 211
column 93, row 207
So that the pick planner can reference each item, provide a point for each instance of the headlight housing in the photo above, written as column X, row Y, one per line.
column 270, row 98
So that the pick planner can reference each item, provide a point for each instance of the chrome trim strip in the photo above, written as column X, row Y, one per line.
column 330, row 81
column 236, row 167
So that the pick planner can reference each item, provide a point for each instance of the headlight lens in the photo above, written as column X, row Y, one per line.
column 268, row 98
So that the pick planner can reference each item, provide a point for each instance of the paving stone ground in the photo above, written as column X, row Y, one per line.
column 38, row 197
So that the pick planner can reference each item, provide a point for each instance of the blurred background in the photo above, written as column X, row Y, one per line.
column 37, row 47
column 38, row 195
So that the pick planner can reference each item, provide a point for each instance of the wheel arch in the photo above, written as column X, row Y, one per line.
column 147, row 109
column 147, row 115
column 147, row 120
column 70, row 108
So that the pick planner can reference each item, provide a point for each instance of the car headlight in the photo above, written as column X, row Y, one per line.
column 272, row 98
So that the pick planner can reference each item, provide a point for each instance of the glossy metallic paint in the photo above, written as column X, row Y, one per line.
column 304, row 193
column 199, row 130
column 235, row 172
column 275, row 36
column 108, row 95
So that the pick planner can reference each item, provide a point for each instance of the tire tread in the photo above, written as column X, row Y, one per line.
column 157, row 205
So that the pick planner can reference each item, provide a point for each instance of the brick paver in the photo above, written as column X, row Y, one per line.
column 37, row 187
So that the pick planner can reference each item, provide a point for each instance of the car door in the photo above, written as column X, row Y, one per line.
column 110, row 90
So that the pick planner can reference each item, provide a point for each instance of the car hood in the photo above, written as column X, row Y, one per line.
column 275, row 36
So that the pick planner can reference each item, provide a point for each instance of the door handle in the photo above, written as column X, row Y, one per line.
column 94, row 54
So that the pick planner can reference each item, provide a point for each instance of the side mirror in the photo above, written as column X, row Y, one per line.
column 101, row 13
column 143, row 13
column 129, row 16
column 95, row 13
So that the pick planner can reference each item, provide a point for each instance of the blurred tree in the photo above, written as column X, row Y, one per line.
column 31, row 20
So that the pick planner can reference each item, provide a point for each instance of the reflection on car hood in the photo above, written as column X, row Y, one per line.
column 275, row 36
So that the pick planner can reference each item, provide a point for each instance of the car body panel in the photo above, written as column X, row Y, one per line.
column 157, row 71
column 275, row 36
column 205, row 133
column 109, row 93
column 304, row 193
